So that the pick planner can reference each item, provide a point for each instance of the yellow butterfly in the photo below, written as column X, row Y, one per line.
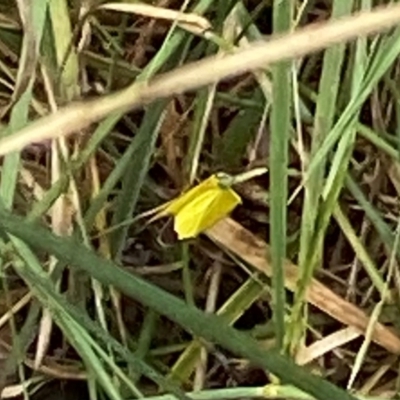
column 205, row 204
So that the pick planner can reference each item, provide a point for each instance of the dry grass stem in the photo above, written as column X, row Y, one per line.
column 74, row 118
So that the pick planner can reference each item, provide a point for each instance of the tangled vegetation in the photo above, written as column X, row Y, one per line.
column 111, row 110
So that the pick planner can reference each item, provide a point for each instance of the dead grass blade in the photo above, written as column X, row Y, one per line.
column 256, row 252
column 192, row 22
column 310, row 39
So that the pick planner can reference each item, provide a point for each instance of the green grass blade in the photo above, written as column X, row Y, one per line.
column 136, row 172
column 280, row 133
column 324, row 115
column 359, row 249
column 210, row 327
column 388, row 52
column 38, row 280
column 67, row 68
column 231, row 310
column 380, row 225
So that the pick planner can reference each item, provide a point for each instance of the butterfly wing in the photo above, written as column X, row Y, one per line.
column 188, row 221
column 222, row 205
column 175, row 206
column 204, row 211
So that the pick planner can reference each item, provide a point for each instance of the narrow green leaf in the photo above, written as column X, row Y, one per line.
column 280, row 134
column 210, row 327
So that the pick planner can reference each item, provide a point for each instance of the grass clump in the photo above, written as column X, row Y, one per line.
column 112, row 109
